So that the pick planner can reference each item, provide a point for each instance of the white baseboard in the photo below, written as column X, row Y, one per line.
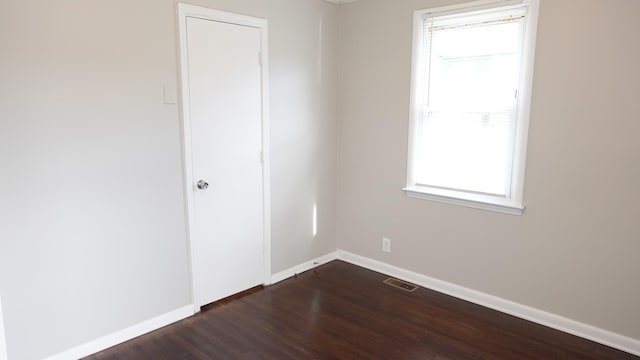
column 121, row 336
column 129, row 333
column 522, row 311
column 573, row 327
column 285, row 274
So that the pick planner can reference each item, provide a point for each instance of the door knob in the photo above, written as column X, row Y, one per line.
column 202, row 185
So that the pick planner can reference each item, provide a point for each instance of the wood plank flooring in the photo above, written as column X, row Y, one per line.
column 341, row 311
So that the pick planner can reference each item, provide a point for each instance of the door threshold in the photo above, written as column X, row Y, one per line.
column 231, row 298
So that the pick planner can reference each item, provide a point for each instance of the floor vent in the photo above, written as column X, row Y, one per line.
column 401, row 284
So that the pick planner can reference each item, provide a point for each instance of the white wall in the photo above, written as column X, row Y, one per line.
column 91, row 197
column 93, row 230
column 574, row 251
column 92, row 211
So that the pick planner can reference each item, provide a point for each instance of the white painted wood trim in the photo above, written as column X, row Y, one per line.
column 292, row 271
column 512, row 203
column 217, row 15
column 475, row 201
column 469, row 6
column 266, row 153
column 525, row 88
column 121, row 336
column 3, row 342
column 573, row 327
column 185, row 11
column 185, row 112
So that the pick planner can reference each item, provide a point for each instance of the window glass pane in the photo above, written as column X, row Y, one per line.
column 466, row 127
column 465, row 151
column 474, row 67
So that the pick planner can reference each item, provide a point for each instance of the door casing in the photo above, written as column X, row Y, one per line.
column 185, row 11
column 3, row 344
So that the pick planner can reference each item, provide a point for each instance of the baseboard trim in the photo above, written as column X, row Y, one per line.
column 121, row 336
column 131, row 332
column 306, row 266
column 573, row 327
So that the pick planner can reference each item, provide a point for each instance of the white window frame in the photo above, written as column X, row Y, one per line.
column 513, row 202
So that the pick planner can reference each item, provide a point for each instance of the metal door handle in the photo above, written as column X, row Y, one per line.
column 202, row 185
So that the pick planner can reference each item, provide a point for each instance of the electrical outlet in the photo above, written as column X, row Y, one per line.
column 386, row 245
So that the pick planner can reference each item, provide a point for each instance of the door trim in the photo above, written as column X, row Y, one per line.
column 185, row 11
column 3, row 343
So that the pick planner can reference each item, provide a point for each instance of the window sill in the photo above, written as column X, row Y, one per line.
column 476, row 201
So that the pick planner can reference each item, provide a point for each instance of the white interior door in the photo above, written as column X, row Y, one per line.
column 223, row 101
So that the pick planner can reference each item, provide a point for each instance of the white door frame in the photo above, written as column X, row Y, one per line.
column 3, row 343
column 185, row 11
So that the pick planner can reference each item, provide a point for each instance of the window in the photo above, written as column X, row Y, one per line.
column 471, row 85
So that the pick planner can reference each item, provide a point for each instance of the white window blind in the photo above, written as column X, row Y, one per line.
column 466, row 100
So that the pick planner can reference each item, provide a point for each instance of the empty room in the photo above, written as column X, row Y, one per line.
column 319, row 179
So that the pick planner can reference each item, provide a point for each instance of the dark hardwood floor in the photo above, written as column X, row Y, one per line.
column 341, row 311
